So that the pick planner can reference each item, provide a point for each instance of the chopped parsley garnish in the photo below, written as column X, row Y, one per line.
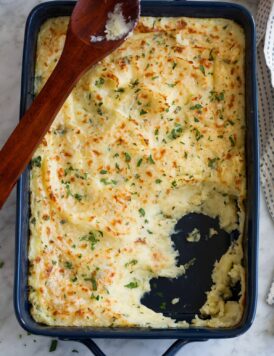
column 196, row 119
column 120, row 90
column 150, row 159
column 132, row 285
column 211, row 58
column 131, row 263
column 139, row 162
column 143, row 112
column 174, row 184
column 232, row 123
column 78, row 197
column 176, row 131
column 174, row 65
column 36, row 162
column 95, row 297
column 53, row 345
column 232, row 140
column 33, row 220
column 215, row 96
column 171, row 85
column 105, row 181
column 196, row 107
column 212, row 162
column 158, row 181
column 142, row 212
column 202, row 69
column 178, row 108
column 68, row 265
column 94, row 283
column 103, row 171
column 153, row 78
column 127, row 157
column 99, row 82
column 92, row 238
column 134, row 83
column 198, row 134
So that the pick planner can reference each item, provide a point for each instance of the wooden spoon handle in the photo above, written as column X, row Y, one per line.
column 19, row 148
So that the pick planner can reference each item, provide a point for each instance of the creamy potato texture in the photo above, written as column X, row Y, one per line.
column 153, row 132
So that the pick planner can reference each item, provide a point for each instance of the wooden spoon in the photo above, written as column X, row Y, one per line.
column 88, row 19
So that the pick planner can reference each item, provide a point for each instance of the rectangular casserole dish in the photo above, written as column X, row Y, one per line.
column 149, row 8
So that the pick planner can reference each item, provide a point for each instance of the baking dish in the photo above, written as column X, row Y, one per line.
column 150, row 8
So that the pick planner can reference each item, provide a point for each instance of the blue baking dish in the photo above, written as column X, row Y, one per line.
column 150, row 8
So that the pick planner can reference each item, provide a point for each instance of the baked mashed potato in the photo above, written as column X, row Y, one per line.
column 153, row 132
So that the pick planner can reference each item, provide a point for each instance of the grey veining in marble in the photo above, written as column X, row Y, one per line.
column 259, row 340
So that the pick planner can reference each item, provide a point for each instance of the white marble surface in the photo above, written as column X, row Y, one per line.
column 259, row 340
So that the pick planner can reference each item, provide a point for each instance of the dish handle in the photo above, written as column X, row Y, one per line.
column 171, row 351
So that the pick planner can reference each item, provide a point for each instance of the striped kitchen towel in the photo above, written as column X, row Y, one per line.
column 265, row 54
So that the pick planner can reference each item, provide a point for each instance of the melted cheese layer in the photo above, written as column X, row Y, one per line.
column 153, row 132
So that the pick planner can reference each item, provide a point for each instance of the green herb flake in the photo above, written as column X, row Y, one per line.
column 139, row 162
column 174, row 184
column 215, row 96
column 196, row 107
column 95, row 297
column 68, row 265
column 151, row 160
column 232, row 140
column 134, row 83
column 78, row 197
column 92, row 238
column 132, row 285
column 171, row 85
column 202, row 69
column 94, row 283
column 174, row 65
column 176, row 132
column 131, row 263
column 53, row 345
column 143, row 112
column 142, row 212
column 103, row 171
column 127, row 157
column 120, row 90
column 211, row 58
column 212, row 162
column 232, row 123
column 158, row 181
column 196, row 119
column 99, row 82
column 198, row 134
column 178, row 109
column 36, row 162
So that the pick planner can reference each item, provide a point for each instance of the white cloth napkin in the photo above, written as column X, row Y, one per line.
column 265, row 56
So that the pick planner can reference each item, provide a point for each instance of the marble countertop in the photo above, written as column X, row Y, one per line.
column 14, row 341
